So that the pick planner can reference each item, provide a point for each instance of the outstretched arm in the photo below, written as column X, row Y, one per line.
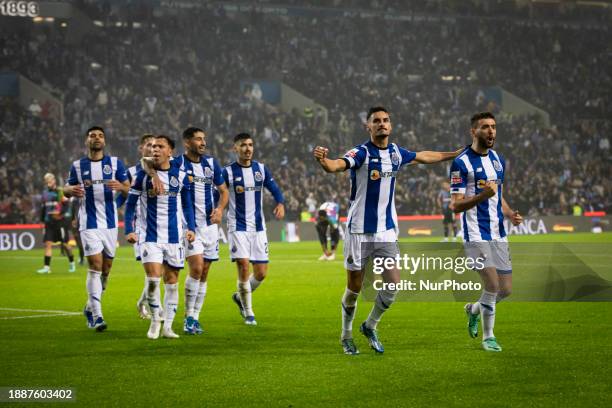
column 430, row 157
column 329, row 165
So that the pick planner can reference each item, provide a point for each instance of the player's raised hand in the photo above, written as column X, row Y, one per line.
column 279, row 211
column 320, row 152
column 158, row 185
column 516, row 218
column 215, row 216
column 131, row 238
column 190, row 235
column 490, row 188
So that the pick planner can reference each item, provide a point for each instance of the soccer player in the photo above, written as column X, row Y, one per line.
column 55, row 209
column 161, row 231
column 207, row 177
column 372, row 216
column 327, row 220
column 145, row 149
column 476, row 178
column 246, row 225
column 94, row 178
column 444, row 199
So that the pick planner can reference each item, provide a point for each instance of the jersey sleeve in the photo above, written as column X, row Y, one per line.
column 225, row 176
column 355, row 157
column 407, row 156
column 73, row 180
column 120, row 173
column 187, row 204
column 132, row 201
column 272, row 187
column 458, row 177
column 218, row 177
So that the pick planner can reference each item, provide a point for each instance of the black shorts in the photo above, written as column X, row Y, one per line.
column 334, row 234
column 56, row 231
column 449, row 216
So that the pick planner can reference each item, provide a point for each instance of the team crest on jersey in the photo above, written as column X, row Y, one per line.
column 258, row 176
column 239, row 189
column 374, row 175
column 107, row 169
column 497, row 166
column 395, row 159
column 208, row 173
column 174, row 182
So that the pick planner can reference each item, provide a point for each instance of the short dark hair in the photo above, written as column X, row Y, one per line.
column 480, row 115
column 145, row 137
column 322, row 213
column 375, row 109
column 167, row 139
column 190, row 132
column 91, row 129
column 242, row 136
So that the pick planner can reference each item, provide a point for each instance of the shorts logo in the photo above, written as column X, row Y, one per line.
column 234, row 249
column 190, row 246
column 394, row 159
column 174, row 182
column 239, row 189
column 497, row 166
column 258, row 176
column 374, row 175
column 87, row 247
column 349, row 260
column 107, row 169
column 208, row 173
column 456, row 177
column 145, row 253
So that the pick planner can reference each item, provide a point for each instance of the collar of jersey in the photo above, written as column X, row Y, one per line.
column 478, row 154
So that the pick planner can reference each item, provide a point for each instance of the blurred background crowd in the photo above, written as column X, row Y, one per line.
column 185, row 67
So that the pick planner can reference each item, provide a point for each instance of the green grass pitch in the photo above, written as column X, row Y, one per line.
column 555, row 354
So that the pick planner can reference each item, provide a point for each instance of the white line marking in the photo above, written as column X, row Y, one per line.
column 48, row 313
column 32, row 316
column 12, row 309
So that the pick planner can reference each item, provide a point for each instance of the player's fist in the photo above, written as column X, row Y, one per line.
column 131, row 238
column 114, row 185
column 516, row 218
column 158, row 185
column 190, row 235
column 320, row 153
column 490, row 188
column 76, row 191
column 215, row 216
column 279, row 211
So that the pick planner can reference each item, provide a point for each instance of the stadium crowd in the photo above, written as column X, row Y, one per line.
column 186, row 69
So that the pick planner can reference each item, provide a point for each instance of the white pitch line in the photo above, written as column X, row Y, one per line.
column 33, row 316
column 12, row 309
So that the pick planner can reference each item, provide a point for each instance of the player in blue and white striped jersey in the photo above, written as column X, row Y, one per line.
column 161, row 231
column 477, row 177
column 94, row 178
column 372, row 217
column 246, row 224
column 207, row 177
column 145, row 149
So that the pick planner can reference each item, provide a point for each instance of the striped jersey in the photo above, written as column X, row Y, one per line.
column 205, row 175
column 245, row 211
column 468, row 175
column 98, row 208
column 161, row 216
column 332, row 210
column 373, row 172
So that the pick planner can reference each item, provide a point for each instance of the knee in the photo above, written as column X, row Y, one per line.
column 504, row 293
